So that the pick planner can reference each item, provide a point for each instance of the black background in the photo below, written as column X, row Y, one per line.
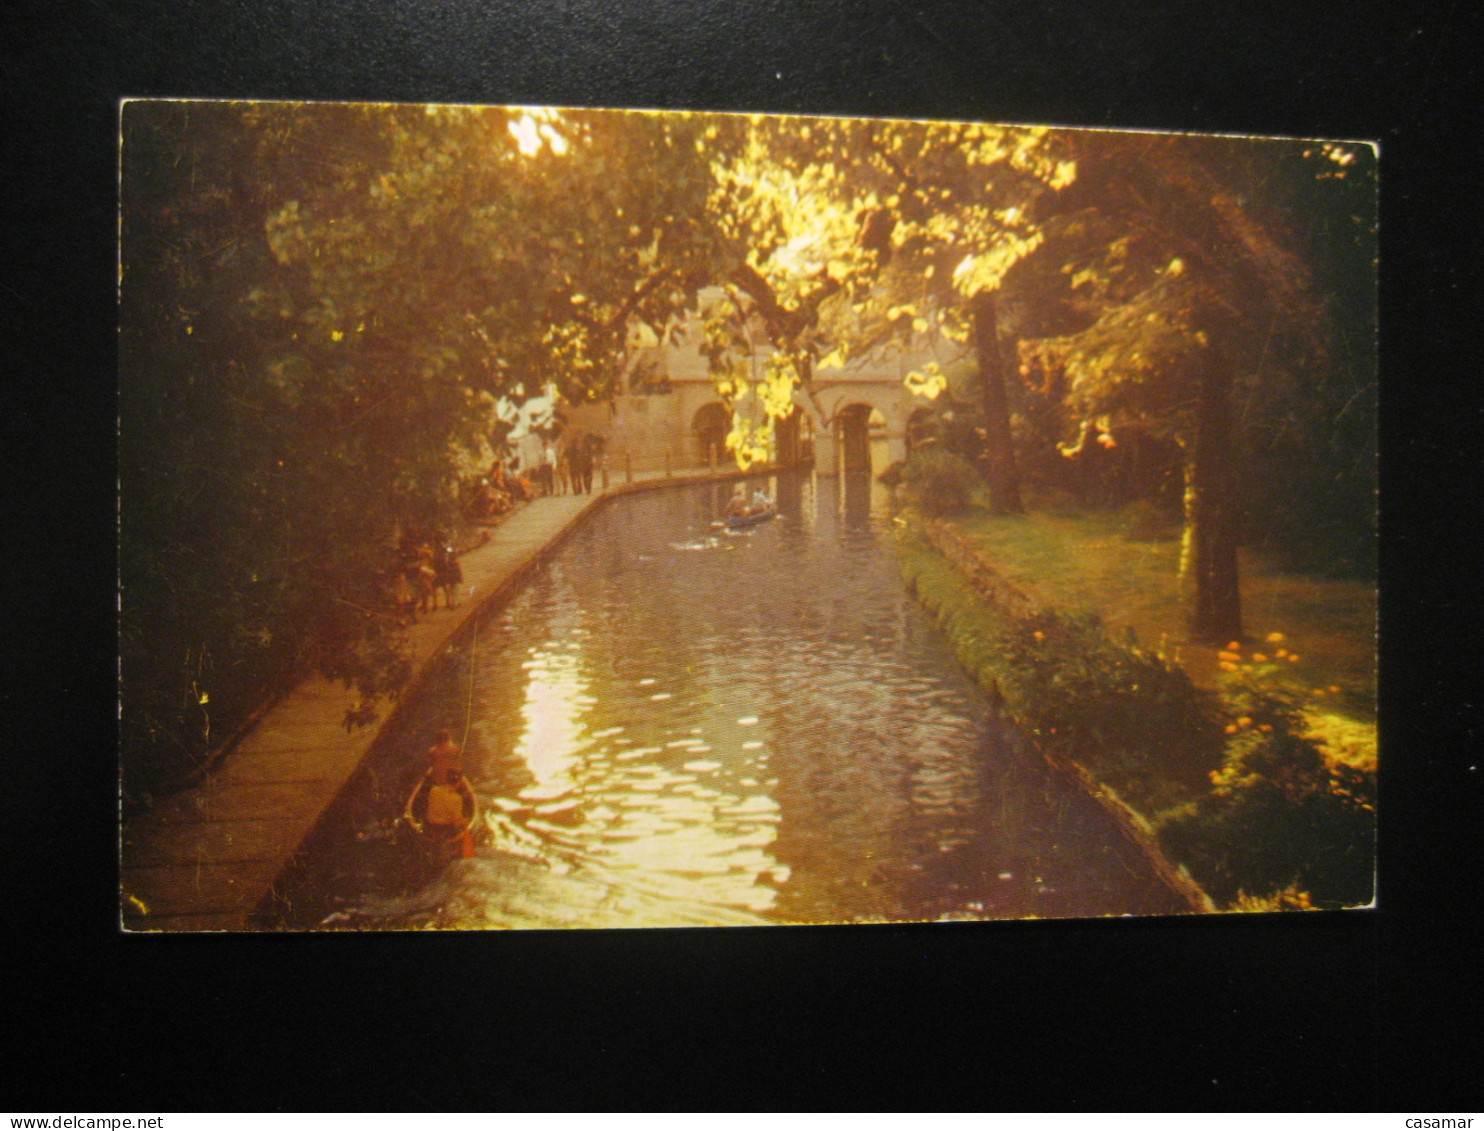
column 1357, row 1011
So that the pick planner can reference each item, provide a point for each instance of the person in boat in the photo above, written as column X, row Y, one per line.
column 446, row 817
column 444, row 760
column 737, row 504
column 760, row 502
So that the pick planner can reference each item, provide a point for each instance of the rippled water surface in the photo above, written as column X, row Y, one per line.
column 671, row 724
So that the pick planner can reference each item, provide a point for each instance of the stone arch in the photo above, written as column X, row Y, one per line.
column 854, row 426
column 919, row 428
column 709, row 427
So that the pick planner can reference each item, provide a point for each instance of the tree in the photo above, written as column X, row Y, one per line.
column 1194, row 300
column 322, row 306
column 854, row 232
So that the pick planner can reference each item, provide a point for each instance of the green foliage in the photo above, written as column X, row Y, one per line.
column 939, row 482
column 1280, row 815
column 322, row 308
column 1255, row 258
column 1134, row 719
column 1263, row 816
column 848, row 235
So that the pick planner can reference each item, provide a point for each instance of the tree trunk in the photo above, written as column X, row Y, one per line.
column 1004, row 479
column 1215, row 610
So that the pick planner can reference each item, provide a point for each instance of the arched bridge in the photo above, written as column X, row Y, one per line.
column 671, row 416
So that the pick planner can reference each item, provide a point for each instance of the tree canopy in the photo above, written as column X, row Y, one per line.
column 322, row 307
column 327, row 309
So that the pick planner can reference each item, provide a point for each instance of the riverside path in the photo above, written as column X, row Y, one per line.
column 203, row 859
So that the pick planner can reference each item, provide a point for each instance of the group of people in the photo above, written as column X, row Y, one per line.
column 538, row 467
column 498, row 491
column 420, row 572
column 581, row 457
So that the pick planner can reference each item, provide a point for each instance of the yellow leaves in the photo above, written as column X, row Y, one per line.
column 835, row 359
column 537, row 127
column 749, row 442
column 337, row 335
column 929, row 382
column 1063, row 175
column 984, row 272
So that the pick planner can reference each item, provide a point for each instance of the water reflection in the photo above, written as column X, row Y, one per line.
column 684, row 724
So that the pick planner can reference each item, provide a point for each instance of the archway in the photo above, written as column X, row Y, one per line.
column 856, row 426
column 709, row 427
column 921, row 429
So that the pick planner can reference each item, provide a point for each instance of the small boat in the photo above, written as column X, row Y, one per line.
column 442, row 815
column 752, row 518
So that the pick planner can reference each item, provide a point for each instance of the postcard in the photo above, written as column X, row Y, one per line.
column 541, row 518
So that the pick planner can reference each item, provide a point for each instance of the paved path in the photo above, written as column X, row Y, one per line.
column 204, row 859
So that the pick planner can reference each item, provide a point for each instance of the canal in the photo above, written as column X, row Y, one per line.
column 670, row 724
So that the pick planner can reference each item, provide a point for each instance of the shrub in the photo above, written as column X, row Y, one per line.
column 1131, row 717
column 1280, row 816
column 938, row 482
column 1134, row 718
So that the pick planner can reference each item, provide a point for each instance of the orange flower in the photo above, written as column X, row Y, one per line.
column 1259, row 658
column 1276, row 638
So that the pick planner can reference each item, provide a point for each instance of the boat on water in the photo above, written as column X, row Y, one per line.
column 752, row 518
column 442, row 814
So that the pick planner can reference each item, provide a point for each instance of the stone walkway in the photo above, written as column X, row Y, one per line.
column 204, row 859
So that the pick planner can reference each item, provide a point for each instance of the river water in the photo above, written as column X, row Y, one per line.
column 670, row 724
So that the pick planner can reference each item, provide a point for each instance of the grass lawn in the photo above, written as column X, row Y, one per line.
column 1086, row 561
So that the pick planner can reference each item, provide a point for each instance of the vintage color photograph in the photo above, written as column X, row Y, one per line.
column 547, row 518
